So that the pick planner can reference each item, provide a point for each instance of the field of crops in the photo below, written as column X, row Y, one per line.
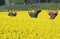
column 25, row 27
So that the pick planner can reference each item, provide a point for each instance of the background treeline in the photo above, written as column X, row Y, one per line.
column 28, row 1
column 29, row 4
column 33, row 1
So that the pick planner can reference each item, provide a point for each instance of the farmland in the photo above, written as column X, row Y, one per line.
column 25, row 27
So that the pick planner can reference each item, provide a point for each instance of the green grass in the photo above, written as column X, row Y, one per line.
column 31, row 6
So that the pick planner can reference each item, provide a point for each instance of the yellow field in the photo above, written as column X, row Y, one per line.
column 24, row 27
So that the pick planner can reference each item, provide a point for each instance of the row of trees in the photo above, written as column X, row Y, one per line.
column 7, row 2
column 34, row 1
column 3, row 2
column 41, row 1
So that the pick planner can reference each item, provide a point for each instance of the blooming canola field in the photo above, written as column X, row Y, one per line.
column 25, row 27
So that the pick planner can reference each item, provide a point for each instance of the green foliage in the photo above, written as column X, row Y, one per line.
column 17, row 1
column 32, row 6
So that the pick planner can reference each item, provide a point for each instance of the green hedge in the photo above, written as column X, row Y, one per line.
column 31, row 6
column 16, row 1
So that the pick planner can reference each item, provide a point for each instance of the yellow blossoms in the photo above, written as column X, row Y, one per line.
column 25, row 27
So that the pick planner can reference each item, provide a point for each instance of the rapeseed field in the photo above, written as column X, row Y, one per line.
column 25, row 27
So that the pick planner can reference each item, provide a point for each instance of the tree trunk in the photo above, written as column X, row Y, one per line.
column 7, row 2
column 46, row 1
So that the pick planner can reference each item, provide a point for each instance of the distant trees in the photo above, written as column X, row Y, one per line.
column 7, row 2
column 2, row 2
column 53, row 1
column 32, row 1
column 37, row 1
